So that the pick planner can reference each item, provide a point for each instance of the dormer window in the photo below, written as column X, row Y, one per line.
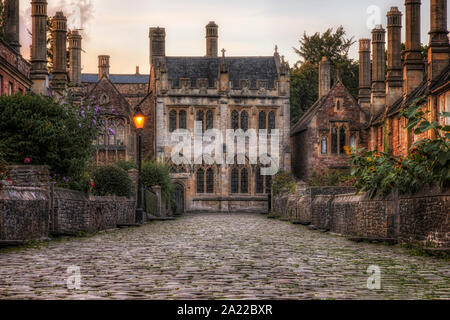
column 104, row 99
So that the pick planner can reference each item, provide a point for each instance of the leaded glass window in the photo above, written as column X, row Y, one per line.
column 235, row 181
column 259, row 182
column 209, row 120
column 244, row 181
column 200, row 181
column 244, row 121
column 342, row 140
column 182, row 120
column 172, row 121
column 210, row 181
column 324, row 145
column 262, row 120
column 234, row 120
column 271, row 121
column 334, row 140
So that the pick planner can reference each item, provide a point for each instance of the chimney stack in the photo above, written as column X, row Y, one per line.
column 103, row 66
column 59, row 41
column 12, row 29
column 75, row 57
column 39, row 72
column 212, row 37
column 394, row 83
column 438, row 52
column 413, row 69
column 324, row 77
column 378, row 99
column 157, row 45
column 364, row 74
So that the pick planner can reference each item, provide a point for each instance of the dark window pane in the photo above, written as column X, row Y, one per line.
column 342, row 140
column 244, row 181
column 259, row 181
column 334, row 140
column 209, row 120
column 210, row 181
column 200, row 181
column 235, row 181
column 172, row 121
column 182, row 119
column 234, row 120
column 271, row 121
column 268, row 184
column 262, row 120
column 244, row 121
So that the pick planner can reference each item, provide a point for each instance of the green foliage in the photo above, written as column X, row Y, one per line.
column 332, row 177
column 427, row 162
column 283, row 183
column 126, row 165
column 112, row 180
column 304, row 75
column 156, row 173
column 3, row 170
column 49, row 132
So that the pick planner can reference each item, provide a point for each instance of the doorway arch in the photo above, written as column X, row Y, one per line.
column 179, row 199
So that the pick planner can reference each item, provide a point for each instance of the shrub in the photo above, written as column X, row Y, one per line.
column 283, row 183
column 156, row 173
column 427, row 162
column 48, row 132
column 126, row 165
column 332, row 177
column 112, row 180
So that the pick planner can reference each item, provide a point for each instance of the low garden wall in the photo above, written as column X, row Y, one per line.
column 30, row 208
column 423, row 217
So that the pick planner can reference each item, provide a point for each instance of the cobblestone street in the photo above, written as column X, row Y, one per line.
column 215, row 256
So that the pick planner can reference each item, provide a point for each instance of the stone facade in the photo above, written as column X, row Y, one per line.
column 421, row 218
column 222, row 93
column 14, row 71
column 334, row 121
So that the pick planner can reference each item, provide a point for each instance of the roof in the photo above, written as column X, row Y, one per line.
column 304, row 121
column 117, row 78
column 421, row 91
column 240, row 68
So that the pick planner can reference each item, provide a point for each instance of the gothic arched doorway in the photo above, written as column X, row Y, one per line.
column 179, row 199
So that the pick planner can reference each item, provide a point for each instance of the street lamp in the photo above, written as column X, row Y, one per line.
column 139, row 122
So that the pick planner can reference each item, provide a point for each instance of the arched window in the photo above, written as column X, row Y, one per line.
column 244, row 181
column 172, row 121
column 235, row 180
column 271, row 121
column 262, row 120
column 210, row 181
column 200, row 181
column 209, row 120
column 101, row 140
column 120, row 133
column 234, row 120
column 342, row 140
column 324, row 145
column 244, row 121
column 199, row 118
column 182, row 120
column 334, row 140
column 338, row 105
column 259, row 182
column 353, row 141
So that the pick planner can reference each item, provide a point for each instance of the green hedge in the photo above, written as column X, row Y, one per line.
column 155, row 173
column 112, row 180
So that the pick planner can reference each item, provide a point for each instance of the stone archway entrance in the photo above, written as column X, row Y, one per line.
column 179, row 199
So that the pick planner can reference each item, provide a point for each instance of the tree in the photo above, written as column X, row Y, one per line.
column 304, row 75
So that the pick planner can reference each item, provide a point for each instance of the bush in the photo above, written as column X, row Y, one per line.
column 49, row 132
column 155, row 173
column 283, row 183
column 112, row 180
column 126, row 165
column 332, row 178
column 427, row 162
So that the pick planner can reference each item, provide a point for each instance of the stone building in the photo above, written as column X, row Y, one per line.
column 385, row 89
column 221, row 93
column 14, row 69
column 334, row 121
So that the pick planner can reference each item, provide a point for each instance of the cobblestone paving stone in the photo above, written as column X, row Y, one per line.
column 217, row 256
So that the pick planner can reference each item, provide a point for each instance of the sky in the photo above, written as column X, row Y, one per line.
column 246, row 28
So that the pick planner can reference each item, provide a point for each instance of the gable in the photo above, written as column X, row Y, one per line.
column 109, row 98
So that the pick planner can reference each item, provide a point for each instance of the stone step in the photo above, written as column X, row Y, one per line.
column 373, row 240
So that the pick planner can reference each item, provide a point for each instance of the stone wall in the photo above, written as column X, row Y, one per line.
column 31, row 209
column 74, row 212
column 422, row 217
